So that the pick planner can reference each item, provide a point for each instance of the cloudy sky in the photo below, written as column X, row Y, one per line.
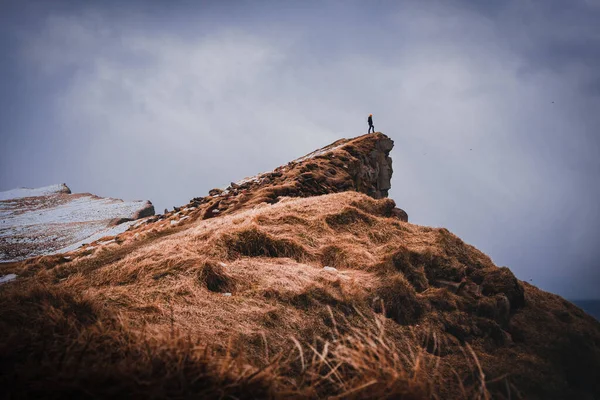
column 495, row 109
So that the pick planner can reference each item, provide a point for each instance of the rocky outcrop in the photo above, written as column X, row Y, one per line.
column 147, row 210
column 373, row 175
column 362, row 164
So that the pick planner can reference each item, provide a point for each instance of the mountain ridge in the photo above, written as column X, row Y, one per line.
column 303, row 282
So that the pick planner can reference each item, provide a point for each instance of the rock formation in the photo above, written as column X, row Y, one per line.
column 373, row 175
column 361, row 164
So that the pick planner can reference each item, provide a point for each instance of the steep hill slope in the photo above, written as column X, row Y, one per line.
column 52, row 220
column 304, row 282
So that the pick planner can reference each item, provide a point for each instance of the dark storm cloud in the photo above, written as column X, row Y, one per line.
column 493, row 107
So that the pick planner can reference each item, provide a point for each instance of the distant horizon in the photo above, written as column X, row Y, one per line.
column 594, row 310
column 591, row 299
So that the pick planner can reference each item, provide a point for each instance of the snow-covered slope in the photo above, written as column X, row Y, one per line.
column 52, row 220
column 27, row 192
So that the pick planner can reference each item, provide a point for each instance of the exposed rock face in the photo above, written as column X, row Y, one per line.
column 52, row 220
column 373, row 175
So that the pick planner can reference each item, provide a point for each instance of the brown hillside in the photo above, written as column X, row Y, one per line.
column 306, row 283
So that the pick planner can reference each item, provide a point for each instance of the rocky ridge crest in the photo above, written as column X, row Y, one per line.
column 362, row 164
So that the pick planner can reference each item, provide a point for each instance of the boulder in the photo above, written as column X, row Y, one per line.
column 400, row 214
column 146, row 211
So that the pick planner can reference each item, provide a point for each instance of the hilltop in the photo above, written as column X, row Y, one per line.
column 302, row 282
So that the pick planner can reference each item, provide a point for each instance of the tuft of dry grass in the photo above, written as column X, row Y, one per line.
column 381, row 207
column 334, row 256
column 253, row 242
column 412, row 265
column 60, row 345
column 399, row 300
column 92, row 353
column 362, row 361
column 347, row 217
column 215, row 278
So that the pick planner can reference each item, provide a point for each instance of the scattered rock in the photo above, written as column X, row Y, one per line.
column 118, row 221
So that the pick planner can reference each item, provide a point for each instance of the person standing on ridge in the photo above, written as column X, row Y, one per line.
column 370, row 121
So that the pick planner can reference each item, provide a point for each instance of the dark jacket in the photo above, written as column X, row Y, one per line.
column 370, row 120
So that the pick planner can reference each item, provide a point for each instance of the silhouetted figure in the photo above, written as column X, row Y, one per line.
column 371, row 126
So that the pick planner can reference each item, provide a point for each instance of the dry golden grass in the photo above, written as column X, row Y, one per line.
column 411, row 311
column 93, row 353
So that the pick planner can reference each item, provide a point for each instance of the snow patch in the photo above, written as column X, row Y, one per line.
column 175, row 222
column 319, row 152
column 28, row 192
column 49, row 220
column 7, row 278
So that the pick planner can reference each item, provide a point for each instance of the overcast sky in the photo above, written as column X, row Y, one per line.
column 494, row 109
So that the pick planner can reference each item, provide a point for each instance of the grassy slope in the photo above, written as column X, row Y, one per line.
column 411, row 312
